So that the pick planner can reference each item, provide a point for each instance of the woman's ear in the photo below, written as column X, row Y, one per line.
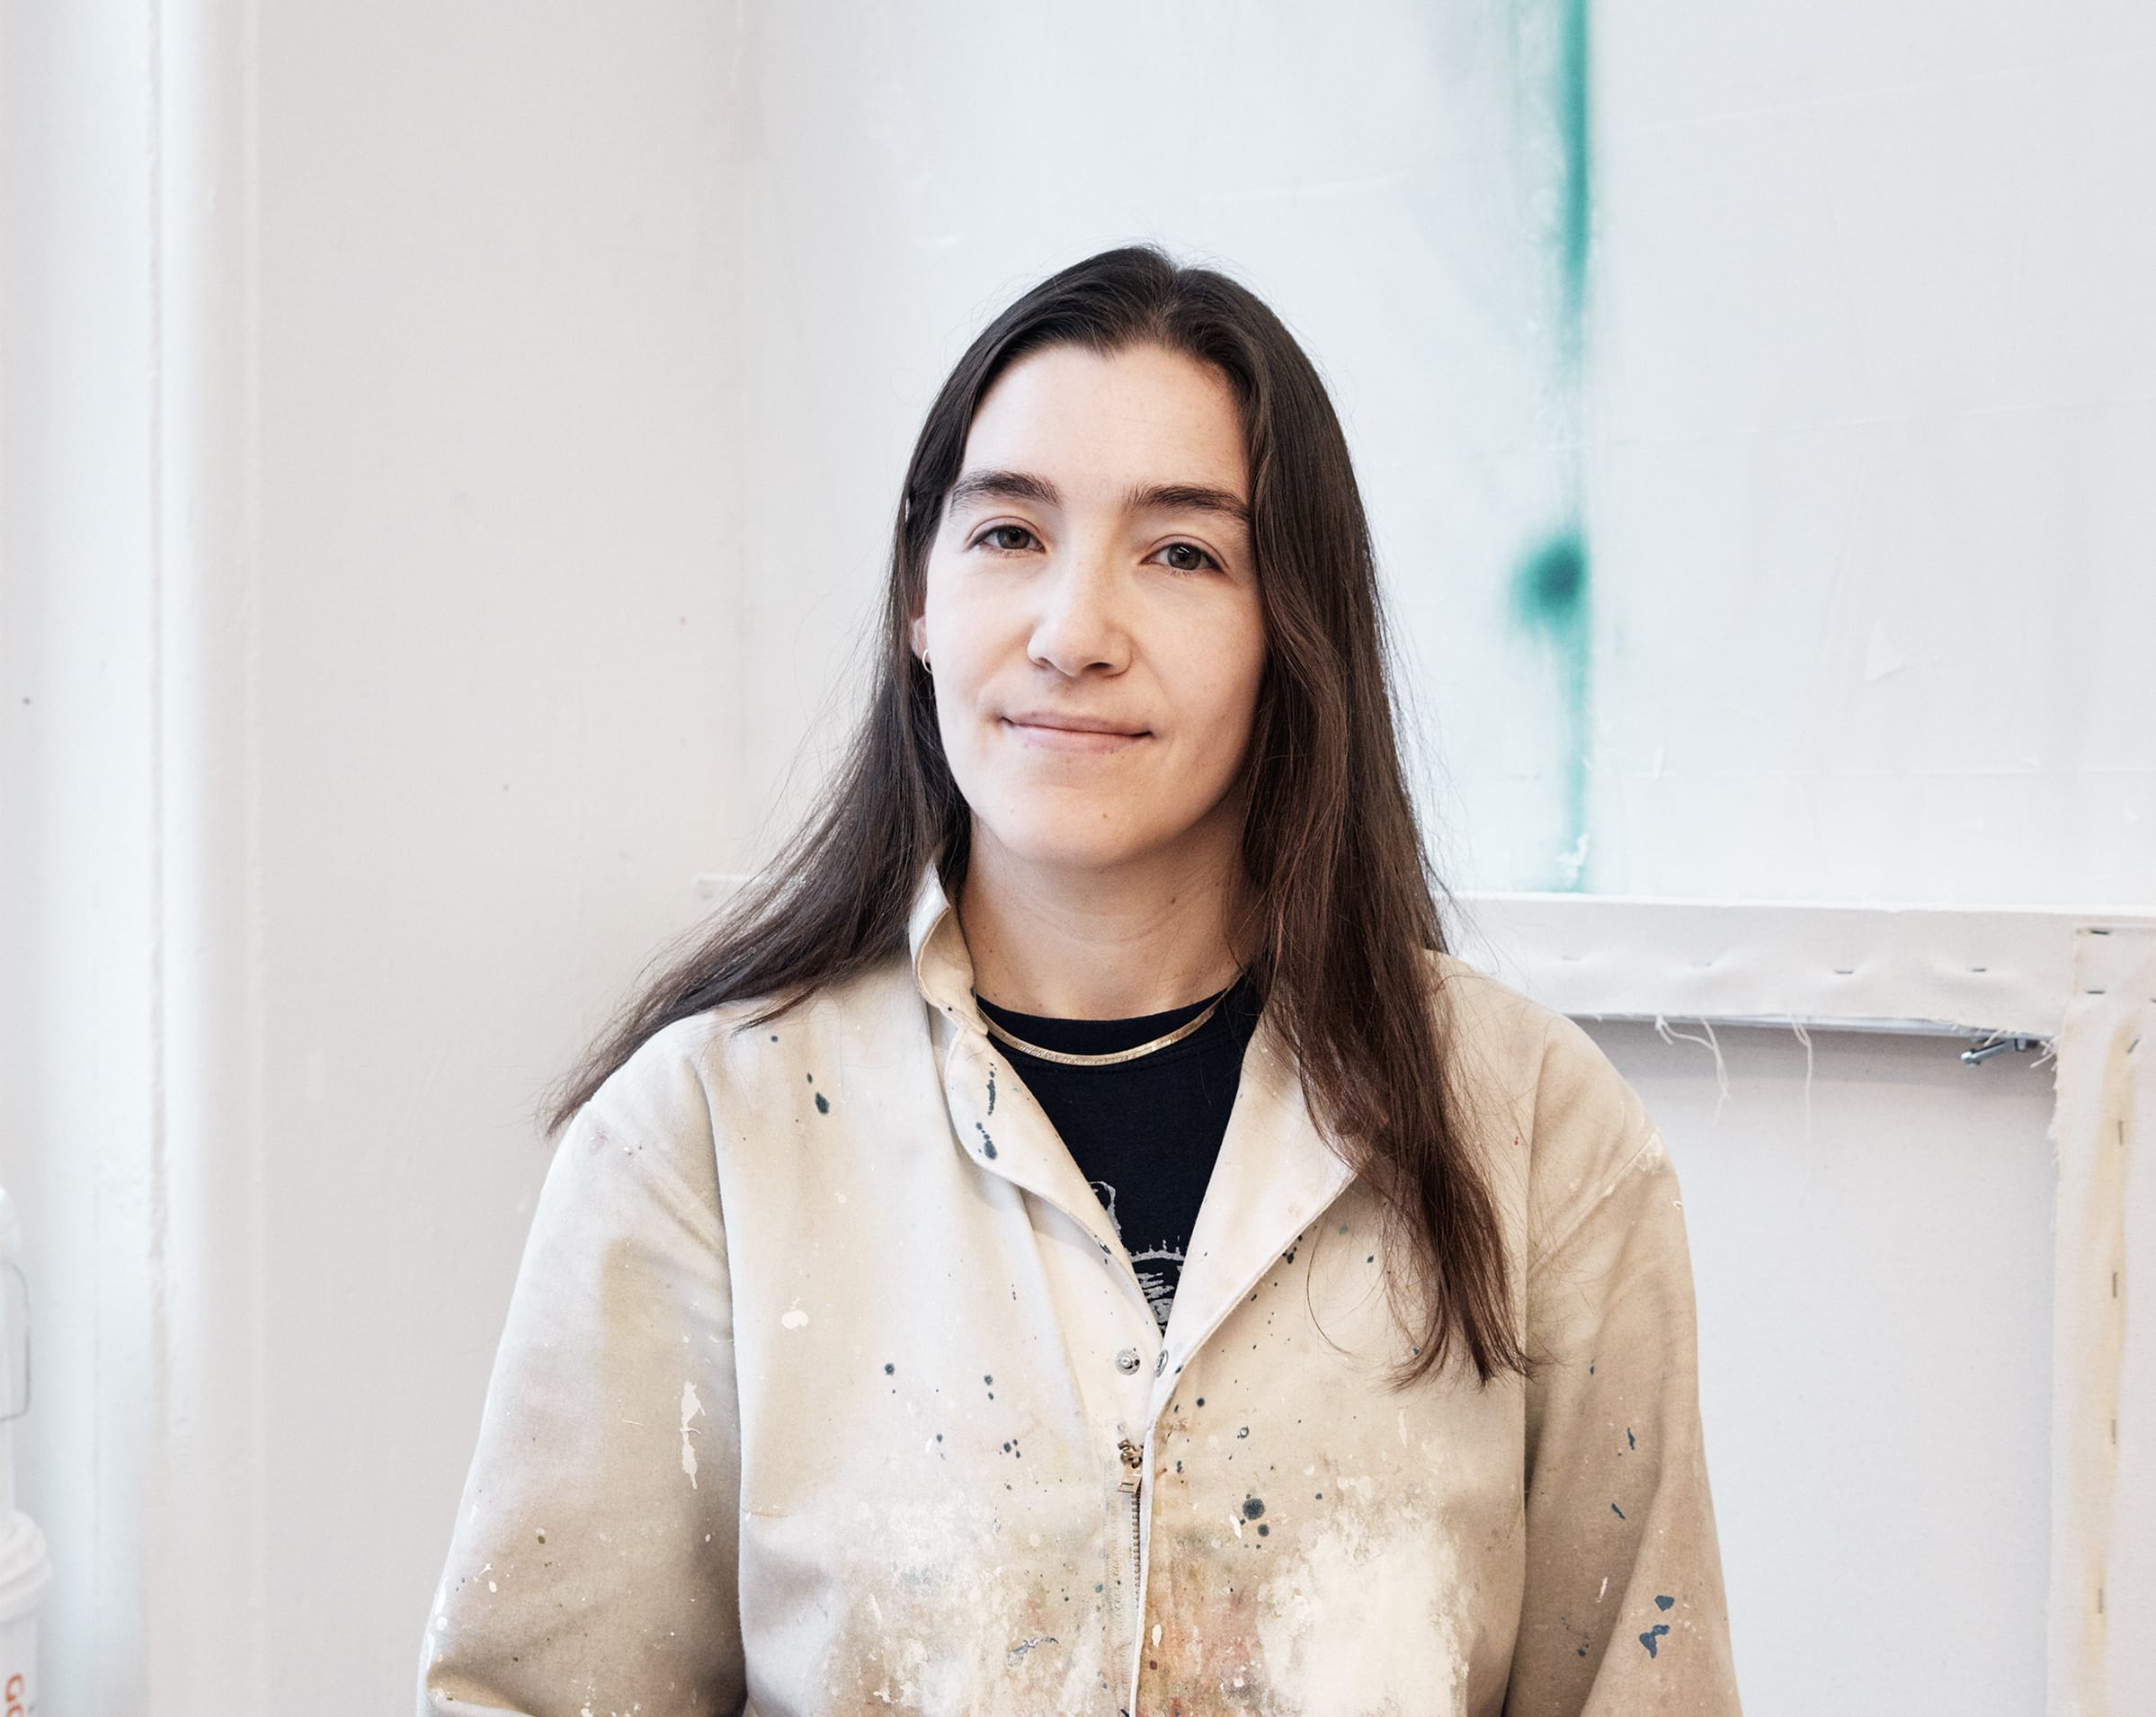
column 917, row 633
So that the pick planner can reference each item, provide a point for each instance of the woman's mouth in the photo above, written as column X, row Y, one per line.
column 1060, row 731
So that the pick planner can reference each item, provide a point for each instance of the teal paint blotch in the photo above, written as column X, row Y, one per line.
column 1549, row 590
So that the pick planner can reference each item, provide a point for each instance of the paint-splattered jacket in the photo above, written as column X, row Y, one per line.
column 827, row 1386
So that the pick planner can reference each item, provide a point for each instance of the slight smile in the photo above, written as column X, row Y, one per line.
column 1056, row 732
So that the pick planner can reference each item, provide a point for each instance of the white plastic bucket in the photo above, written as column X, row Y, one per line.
column 25, row 1571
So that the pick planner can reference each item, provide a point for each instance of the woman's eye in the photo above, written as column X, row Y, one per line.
column 1188, row 557
column 1011, row 539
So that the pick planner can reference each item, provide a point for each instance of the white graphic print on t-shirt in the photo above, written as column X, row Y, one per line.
column 1157, row 1285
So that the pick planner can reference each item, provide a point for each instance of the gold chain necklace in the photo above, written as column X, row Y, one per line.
column 1066, row 1060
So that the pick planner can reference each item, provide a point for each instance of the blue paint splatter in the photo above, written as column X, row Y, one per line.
column 1619, row 1512
column 1652, row 1634
column 987, row 1144
column 1630, row 1442
column 991, row 1088
column 823, row 1104
column 1664, row 1603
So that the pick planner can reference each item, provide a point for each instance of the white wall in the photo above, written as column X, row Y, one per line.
column 501, row 698
column 554, row 411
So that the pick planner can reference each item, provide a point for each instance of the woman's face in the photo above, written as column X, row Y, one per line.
column 1090, row 610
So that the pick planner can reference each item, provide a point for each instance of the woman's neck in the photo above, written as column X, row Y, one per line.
column 1141, row 939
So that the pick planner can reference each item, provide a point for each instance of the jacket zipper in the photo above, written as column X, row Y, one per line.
column 1134, row 1476
column 1133, row 1472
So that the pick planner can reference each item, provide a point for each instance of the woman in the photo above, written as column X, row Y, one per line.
column 1070, row 1240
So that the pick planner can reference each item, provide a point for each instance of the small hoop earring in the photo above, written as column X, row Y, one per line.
column 924, row 666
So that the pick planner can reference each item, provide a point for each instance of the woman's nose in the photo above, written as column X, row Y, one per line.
column 1081, row 627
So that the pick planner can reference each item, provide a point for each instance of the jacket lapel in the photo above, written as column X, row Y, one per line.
column 999, row 1123
column 1276, row 1175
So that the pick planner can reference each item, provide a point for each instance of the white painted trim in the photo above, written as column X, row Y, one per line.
column 133, row 1088
column 206, row 1516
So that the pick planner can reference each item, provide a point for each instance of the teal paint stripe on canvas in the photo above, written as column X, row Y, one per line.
column 1550, row 592
column 1575, row 200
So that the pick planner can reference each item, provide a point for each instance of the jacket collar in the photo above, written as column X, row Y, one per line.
column 941, row 966
column 1276, row 1173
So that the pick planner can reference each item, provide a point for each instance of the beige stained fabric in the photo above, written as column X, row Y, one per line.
column 822, row 1349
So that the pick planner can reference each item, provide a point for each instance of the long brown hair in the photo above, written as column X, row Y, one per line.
column 1343, row 900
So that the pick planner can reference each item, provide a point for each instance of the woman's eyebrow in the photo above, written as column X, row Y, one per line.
column 1140, row 497
column 1001, row 485
column 1185, row 497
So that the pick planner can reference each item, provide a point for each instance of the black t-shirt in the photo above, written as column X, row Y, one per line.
column 1144, row 1133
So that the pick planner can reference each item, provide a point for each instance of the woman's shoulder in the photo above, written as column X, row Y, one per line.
column 1550, row 1100
column 1520, row 1036
column 738, row 1056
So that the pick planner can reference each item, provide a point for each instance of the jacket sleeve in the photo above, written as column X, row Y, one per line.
column 1623, row 1610
column 592, row 1563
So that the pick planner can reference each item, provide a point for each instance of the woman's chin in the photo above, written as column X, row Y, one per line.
column 1073, row 837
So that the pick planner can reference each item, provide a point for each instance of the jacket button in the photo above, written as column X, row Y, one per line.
column 1129, row 1360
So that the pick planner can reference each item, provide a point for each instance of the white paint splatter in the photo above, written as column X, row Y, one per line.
column 794, row 1318
column 690, row 1408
